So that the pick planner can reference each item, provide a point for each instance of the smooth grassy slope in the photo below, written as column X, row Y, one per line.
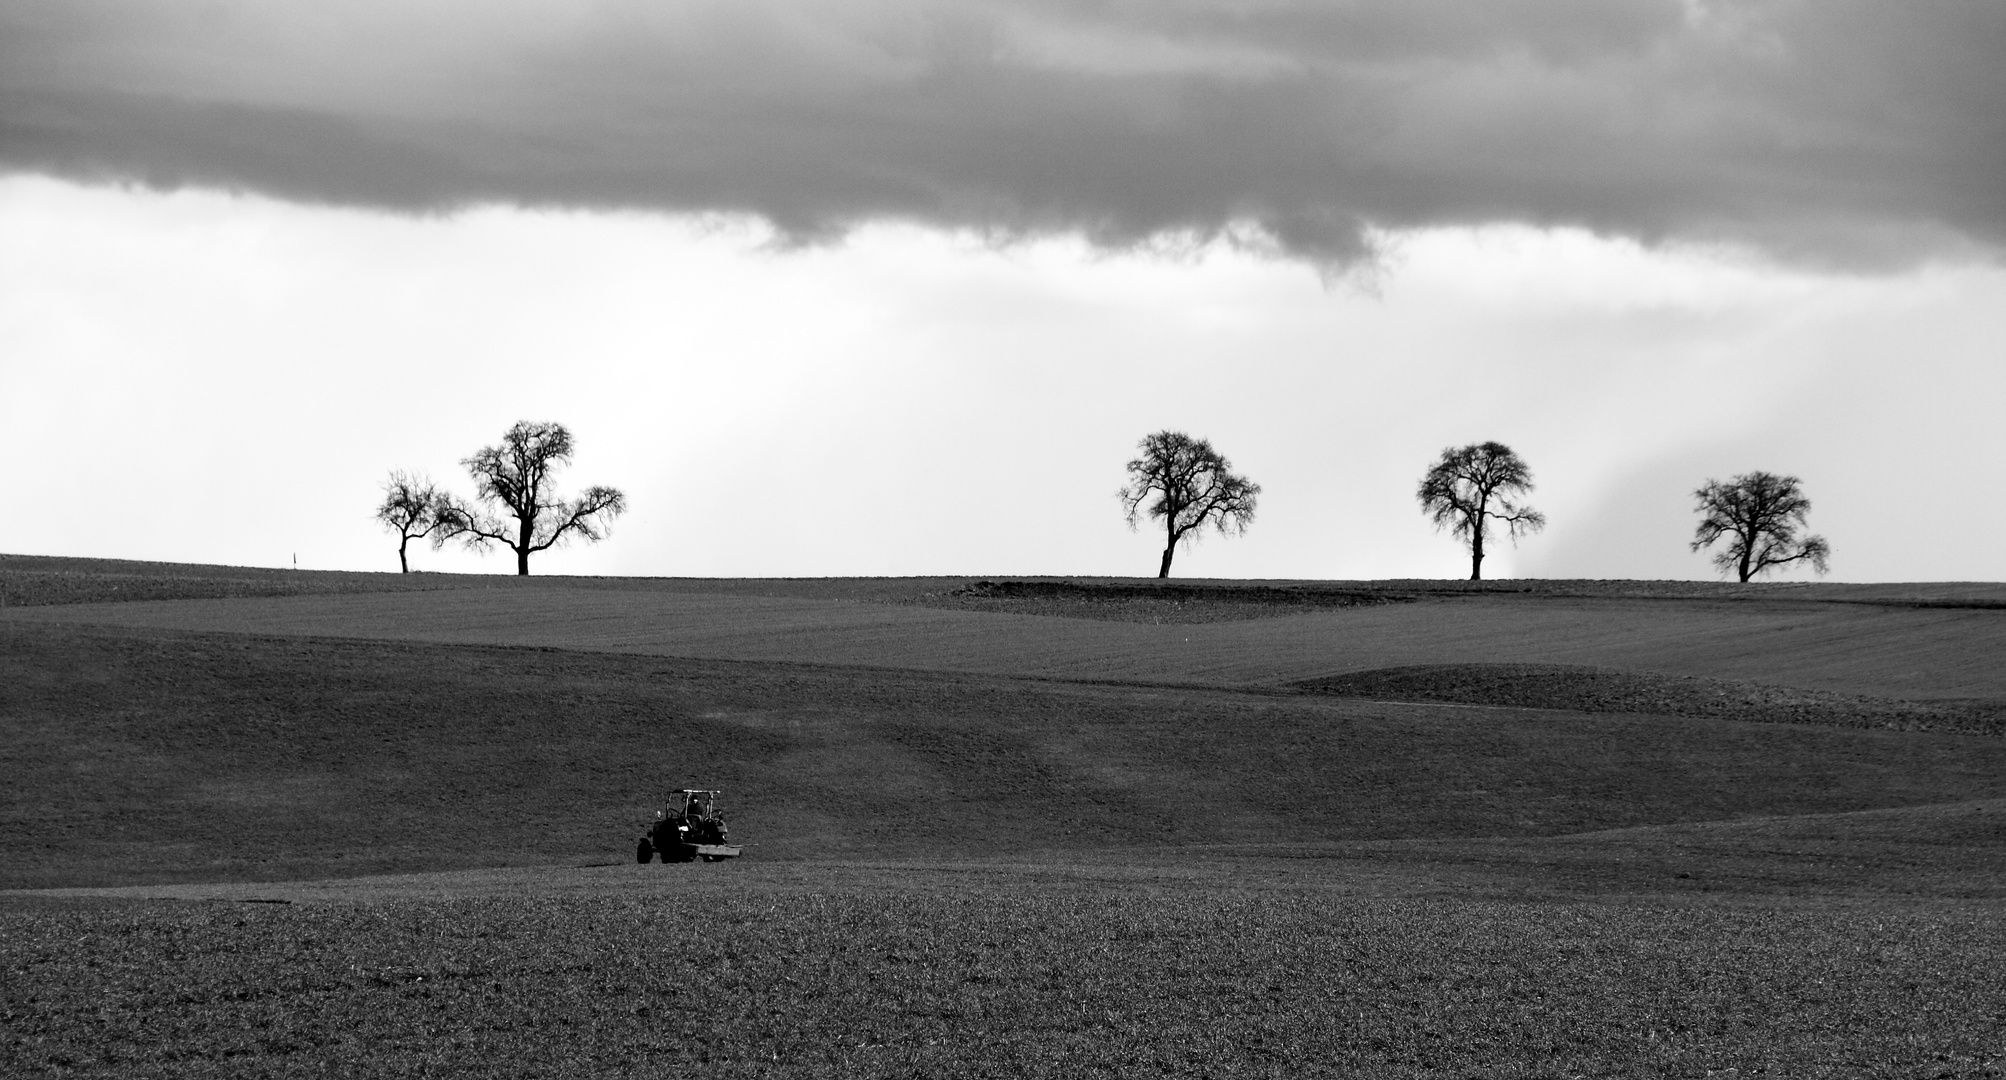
column 1851, row 647
column 270, row 750
column 140, row 756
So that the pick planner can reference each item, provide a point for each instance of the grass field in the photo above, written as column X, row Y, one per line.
column 367, row 825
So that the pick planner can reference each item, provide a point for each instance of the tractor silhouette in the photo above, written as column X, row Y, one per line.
column 688, row 828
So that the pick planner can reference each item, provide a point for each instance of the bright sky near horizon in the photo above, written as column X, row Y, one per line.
column 895, row 288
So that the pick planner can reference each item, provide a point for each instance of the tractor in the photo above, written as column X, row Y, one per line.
column 688, row 828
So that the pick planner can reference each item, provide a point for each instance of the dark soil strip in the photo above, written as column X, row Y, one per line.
column 1156, row 602
column 1599, row 690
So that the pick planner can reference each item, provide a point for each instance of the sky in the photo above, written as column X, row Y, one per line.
column 886, row 288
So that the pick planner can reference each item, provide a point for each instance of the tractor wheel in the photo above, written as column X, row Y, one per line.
column 644, row 851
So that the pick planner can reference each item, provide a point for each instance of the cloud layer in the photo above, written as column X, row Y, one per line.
column 1834, row 130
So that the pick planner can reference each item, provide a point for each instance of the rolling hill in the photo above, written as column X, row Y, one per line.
column 376, row 726
column 1880, row 649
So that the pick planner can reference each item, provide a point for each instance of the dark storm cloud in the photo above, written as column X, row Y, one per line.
column 1812, row 128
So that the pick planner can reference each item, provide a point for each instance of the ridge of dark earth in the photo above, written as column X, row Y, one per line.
column 1602, row 690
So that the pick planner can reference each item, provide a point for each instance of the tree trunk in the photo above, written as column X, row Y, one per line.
column 1163, row 571
column 403, row 566
column 1477, row 553
column 522, row 562
column 526, row 534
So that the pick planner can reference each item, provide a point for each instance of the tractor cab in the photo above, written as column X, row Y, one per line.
column 690, row 825
column 690, row 804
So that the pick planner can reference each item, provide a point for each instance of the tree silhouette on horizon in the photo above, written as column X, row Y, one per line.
column 518, row 475
column 1758, row 513
column 1470, row 487
column 1192, row 484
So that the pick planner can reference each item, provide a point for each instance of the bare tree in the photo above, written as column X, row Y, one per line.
column 518, row 476
column 1471, row 487
column 1193, row 484
column 411, row 509
column 1759, row 513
